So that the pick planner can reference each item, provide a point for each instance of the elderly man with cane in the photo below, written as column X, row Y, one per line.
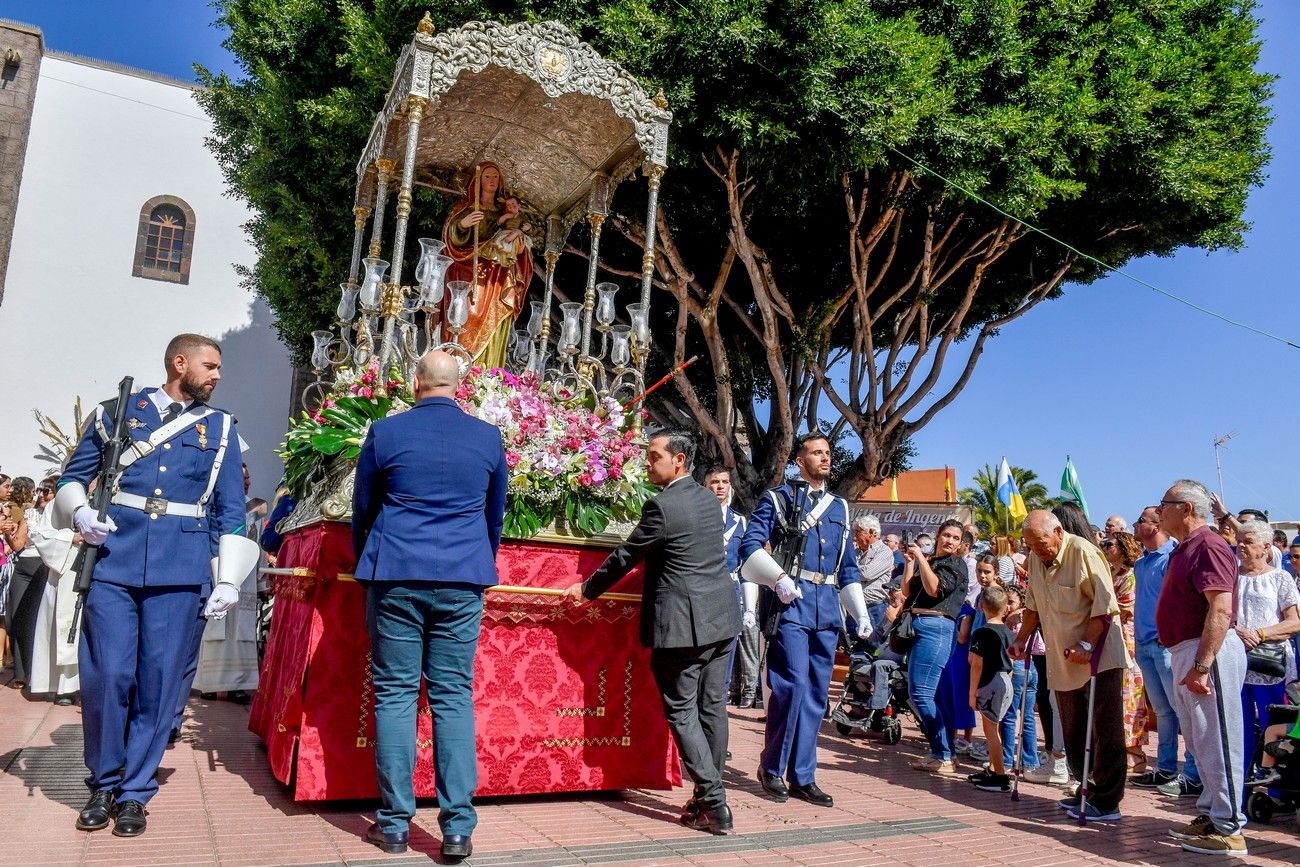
column 1071, row 596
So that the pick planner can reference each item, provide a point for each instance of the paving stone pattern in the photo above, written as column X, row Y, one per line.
column 220, row 805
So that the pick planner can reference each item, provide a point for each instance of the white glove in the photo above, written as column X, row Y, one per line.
column 224, row 597
column 748, row 620
column 786, row 590
column 95, row 532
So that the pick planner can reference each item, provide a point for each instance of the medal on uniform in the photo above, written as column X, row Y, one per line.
column 141, row 404
column 134, row 423
column 203, row 434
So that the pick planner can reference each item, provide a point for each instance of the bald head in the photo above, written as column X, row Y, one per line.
column 437, row 375
column 1043, row 534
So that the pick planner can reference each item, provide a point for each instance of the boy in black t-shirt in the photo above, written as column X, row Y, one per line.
column 990, row 685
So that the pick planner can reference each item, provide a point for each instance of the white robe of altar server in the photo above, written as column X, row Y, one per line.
column 228, row 654
column 54, row 660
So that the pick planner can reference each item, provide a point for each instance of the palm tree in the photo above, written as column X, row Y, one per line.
column 987, row 512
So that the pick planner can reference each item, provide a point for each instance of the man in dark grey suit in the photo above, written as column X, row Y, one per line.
column 689, row 617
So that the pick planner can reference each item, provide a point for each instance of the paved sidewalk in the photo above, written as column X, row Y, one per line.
column 220, row 804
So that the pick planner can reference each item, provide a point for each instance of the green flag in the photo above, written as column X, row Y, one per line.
column 1071, row 488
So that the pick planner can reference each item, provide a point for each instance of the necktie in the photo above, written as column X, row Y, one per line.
column 173, row 410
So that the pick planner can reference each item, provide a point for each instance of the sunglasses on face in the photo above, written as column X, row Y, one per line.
column 1107, row 544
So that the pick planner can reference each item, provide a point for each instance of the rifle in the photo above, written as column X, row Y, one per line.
column 105, row 481
column 789, row 543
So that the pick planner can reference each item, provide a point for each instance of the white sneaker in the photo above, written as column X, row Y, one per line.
column 979, row 751
column 1052, row 773
column 961, row 745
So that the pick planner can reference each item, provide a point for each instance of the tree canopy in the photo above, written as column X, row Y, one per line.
column 826, row 280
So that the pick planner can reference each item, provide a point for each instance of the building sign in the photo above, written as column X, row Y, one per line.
column 912, row 518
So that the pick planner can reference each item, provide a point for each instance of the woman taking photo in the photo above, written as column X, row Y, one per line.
column 935, row 588
column 1266, row 611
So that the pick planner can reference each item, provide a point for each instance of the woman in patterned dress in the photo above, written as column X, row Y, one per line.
column 1123, row 550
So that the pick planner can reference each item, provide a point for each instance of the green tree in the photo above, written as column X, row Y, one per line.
column 823, row 278
column 988, row 513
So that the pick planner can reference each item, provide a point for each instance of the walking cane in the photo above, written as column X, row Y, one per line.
column 1088, row 738
column 1020, row 727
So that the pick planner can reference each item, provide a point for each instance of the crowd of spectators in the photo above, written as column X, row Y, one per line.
column 1186, row 621
column 33, row 557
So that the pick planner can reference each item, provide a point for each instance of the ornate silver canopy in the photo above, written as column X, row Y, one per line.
column 555, row 115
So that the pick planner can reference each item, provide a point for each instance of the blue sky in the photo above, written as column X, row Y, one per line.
column 1153, row 383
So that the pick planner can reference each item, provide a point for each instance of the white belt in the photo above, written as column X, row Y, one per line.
column 818, row 577
column 735, row 576
column 158, row 506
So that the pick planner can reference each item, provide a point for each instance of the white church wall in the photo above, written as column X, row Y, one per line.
column 74, row 319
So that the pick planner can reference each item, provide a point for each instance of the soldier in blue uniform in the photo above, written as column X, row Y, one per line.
column 169, row 549
column 718, row 480
column 801, row 654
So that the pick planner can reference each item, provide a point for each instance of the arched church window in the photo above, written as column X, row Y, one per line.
column 164, row 240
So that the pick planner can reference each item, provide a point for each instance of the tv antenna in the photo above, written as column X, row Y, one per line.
column 1221, row 443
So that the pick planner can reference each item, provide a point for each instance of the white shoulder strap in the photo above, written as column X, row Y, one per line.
column 143, row 448
column 729, row 533
column 818, row 510
column 216, row 463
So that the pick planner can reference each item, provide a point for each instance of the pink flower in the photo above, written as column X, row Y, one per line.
column 585, row 480
column 368, row 392
column 327, row 403
column 512, row 459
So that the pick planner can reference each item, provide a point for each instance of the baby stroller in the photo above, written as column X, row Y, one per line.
column 1261, row 804
column 875, row 693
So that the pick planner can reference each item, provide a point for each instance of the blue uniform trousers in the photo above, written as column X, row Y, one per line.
column 421, row 628
column 191, row 667
column 799, row 663
column 134, row 642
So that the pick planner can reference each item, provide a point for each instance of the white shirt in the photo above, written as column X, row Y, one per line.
column 161, row 400
column 1261, row 599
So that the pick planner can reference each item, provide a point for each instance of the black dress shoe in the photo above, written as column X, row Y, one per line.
column 715, row 820
column 239, row 696
column 97, row 812
column 774, row 786
column 392, row 842
column 812, row 795
column 456, row 847
column 130, row 819
column 63, row 701
column 174, row 736
column 758, row 702
column 208, row 696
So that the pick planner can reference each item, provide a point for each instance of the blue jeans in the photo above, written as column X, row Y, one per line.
column 1158, row 679
column 925, row 664
column 420, row 628
column 1029, row 735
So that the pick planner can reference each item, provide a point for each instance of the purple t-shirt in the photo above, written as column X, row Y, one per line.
column 1201, row 562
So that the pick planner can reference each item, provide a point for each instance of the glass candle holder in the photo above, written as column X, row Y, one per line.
column 605, row 312
column 372, row 286
column 458, row 308
column 320, row 350
column 571, row 325
column 347, row 309
column 535, row 320
column 640, row 318
column 620, row 351
column 431, row 281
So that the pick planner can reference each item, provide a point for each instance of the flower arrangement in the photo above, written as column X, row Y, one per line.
column 569, row 459
column 339, row 425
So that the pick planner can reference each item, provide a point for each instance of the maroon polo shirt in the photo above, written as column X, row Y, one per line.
column 1201, row 562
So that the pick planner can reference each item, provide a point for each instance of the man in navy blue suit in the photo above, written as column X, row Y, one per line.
column 170, row 549
column 427, row 512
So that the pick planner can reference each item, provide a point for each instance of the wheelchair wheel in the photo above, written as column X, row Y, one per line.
column 893, row 733
column 843, row 729
column 1260, row 807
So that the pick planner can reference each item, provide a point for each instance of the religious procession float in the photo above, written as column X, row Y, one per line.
column 529, row 130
